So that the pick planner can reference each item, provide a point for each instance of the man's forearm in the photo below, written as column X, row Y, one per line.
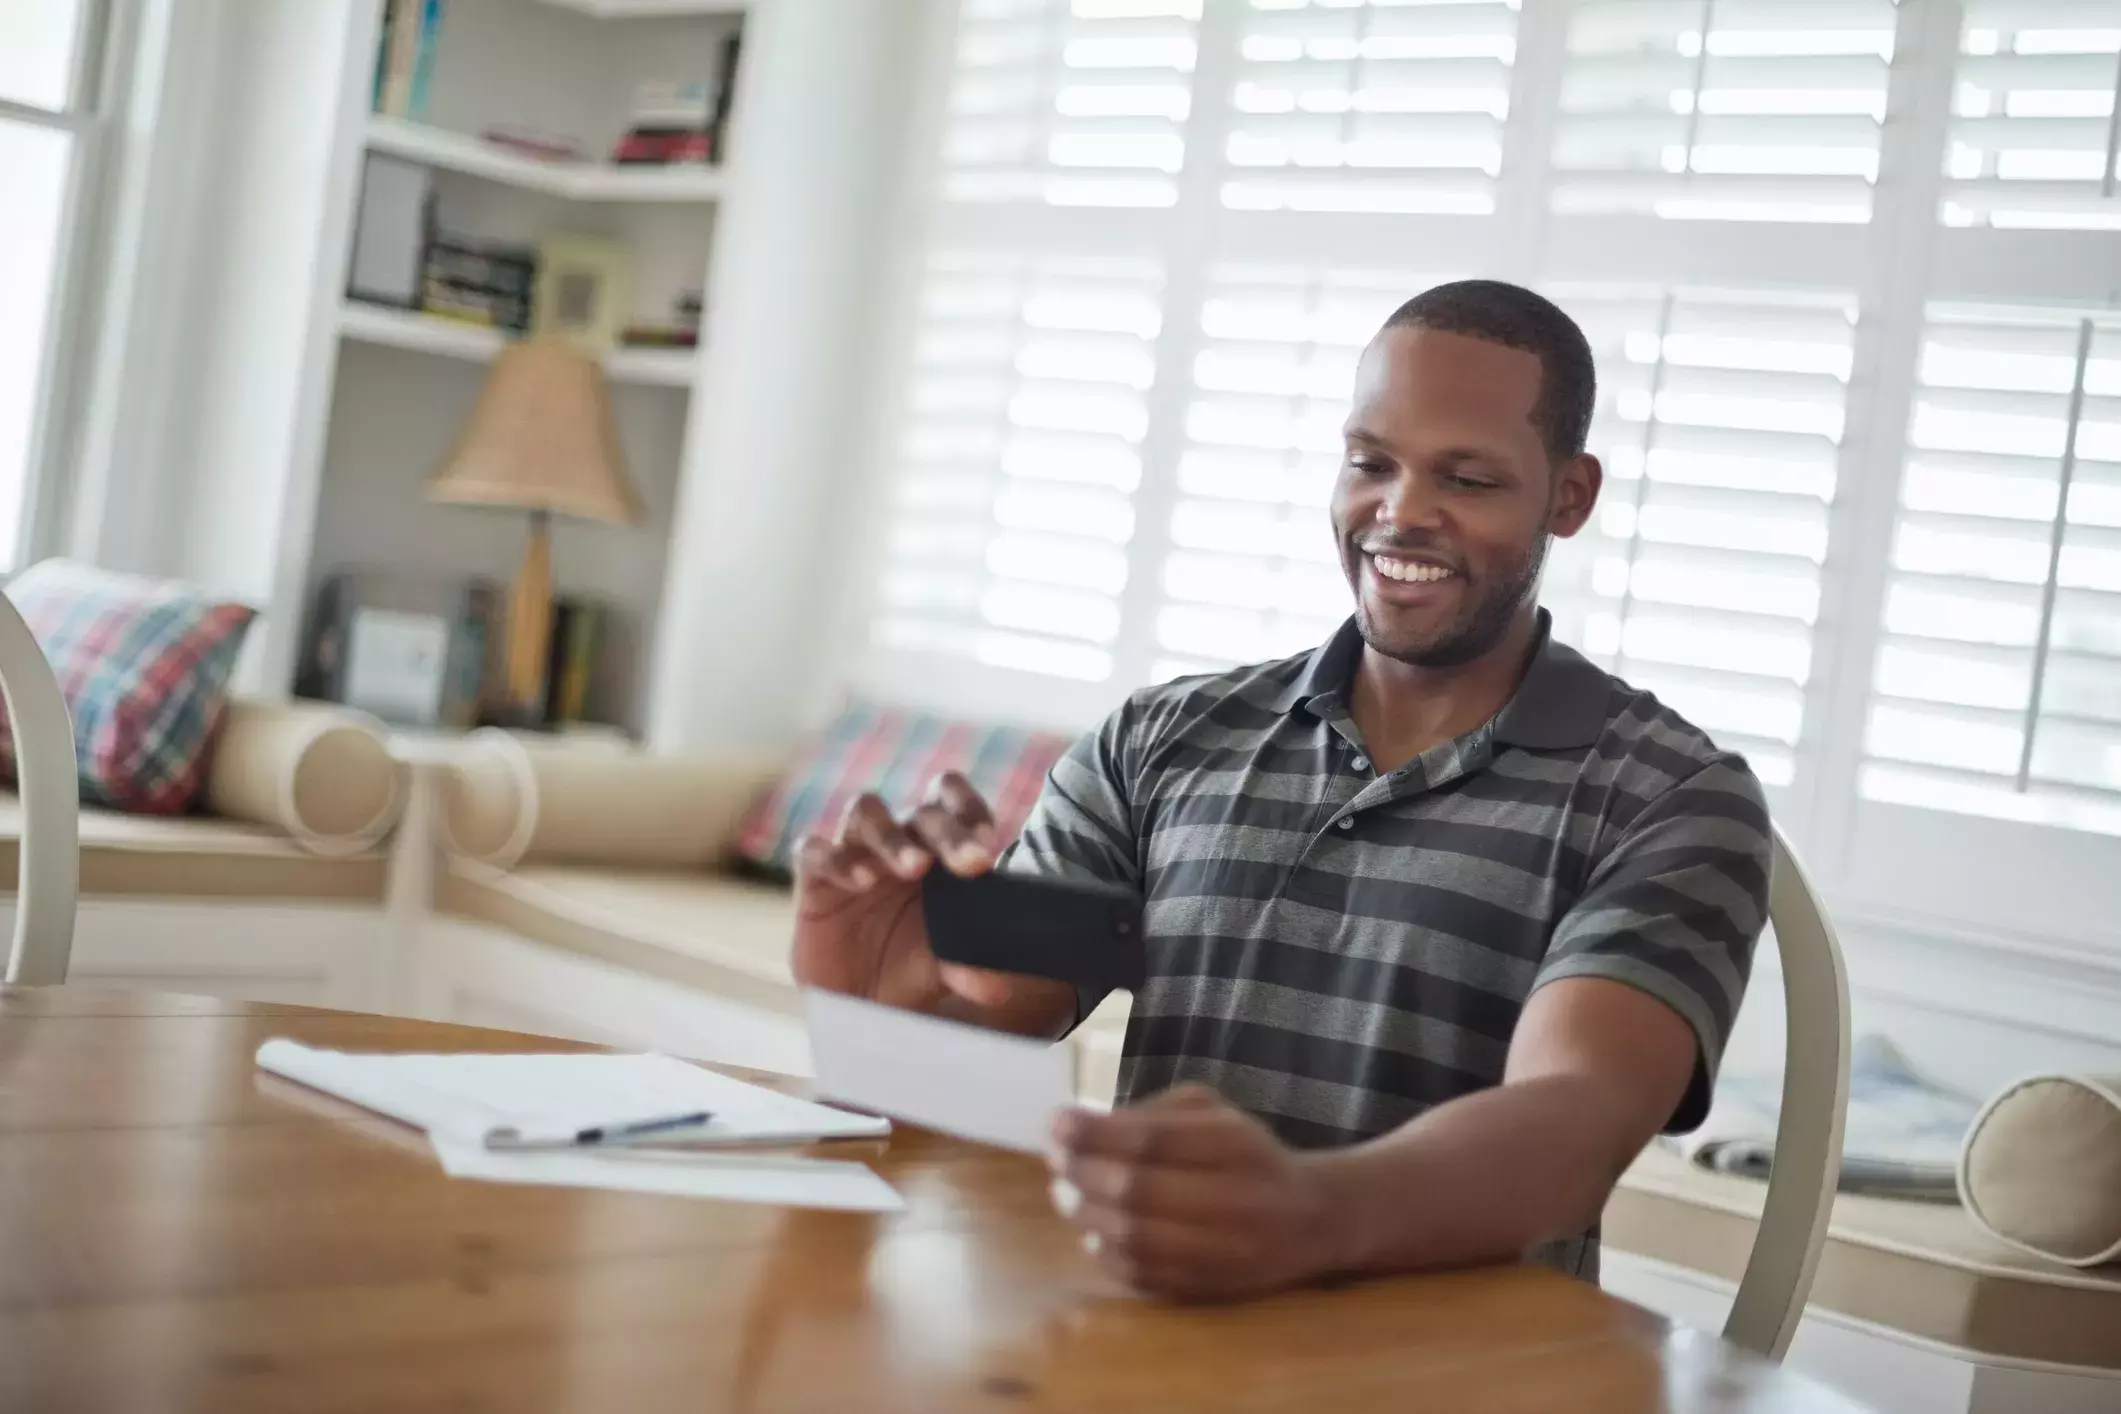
column 1482, row 1178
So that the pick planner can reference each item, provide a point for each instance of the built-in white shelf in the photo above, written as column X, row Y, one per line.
column 576, row 181
column 453, row 338
column 650, row 9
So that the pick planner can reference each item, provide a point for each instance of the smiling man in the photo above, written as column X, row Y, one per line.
column 1444, row 923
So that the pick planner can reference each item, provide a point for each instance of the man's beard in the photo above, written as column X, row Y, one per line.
column 1479, row 625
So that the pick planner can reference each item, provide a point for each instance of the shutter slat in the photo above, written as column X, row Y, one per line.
column 1771, row 113
column 1699, row 577
column 1069, row 105
column 1966, row 656
column 2028, row 142
column 2040, row 14
column 1019, row 456
column 1370, row 108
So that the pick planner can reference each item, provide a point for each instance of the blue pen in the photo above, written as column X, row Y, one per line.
column 513, row 1138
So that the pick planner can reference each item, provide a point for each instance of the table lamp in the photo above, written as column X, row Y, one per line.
column 541, row 439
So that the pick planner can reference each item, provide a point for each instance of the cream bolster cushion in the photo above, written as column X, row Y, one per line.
column 508, row 799
column 320, row 773
column 2041, row 1169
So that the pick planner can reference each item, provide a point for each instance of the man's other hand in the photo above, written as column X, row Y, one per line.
column 1185, row 1196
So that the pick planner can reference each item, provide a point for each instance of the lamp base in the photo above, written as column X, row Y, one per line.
column 530, row 621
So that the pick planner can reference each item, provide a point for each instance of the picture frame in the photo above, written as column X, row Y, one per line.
column 416, row 651
column 397, row 665
column 392, row 226
column 582, row 293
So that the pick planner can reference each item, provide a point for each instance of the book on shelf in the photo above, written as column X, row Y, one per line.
column 405, row 56
column 679, row 121
column 466, row 622
column 423, row 64
column 724, row 93
column 480, row 624
column 577, row 641
column 478, row 282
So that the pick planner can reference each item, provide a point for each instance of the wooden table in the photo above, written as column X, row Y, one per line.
column 179, row 1231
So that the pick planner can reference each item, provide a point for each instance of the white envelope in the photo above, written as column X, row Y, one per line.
column 963, row 1080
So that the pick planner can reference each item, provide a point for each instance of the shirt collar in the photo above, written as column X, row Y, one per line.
column 1326, row 673
column 1561, row 703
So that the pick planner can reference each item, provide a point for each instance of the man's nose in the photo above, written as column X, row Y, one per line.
column 1409, row 504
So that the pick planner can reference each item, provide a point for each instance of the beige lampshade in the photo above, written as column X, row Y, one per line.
column 541, row 438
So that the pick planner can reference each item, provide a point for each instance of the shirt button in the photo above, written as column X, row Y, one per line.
column 1361, row 763
column 1346, row 822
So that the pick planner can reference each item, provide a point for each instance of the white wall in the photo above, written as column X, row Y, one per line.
column 126, row 482
column 1974, row 1014
column 251, row 348
column 763, row 533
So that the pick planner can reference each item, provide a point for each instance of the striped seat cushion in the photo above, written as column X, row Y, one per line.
column 895, row 753
column 144, row 666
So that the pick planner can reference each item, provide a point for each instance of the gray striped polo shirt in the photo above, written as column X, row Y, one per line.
column 1336, row 949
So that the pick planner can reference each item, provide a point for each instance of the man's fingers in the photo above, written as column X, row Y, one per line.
column 1178, row 1133
column 842, row 867
column 868, row 823
column 968, row 807
column 1161, row 1252
column 956, row 824
column 1203, row 1196
column 950, row 840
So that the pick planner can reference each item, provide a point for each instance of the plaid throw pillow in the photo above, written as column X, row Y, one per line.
column 896, row 754
column 144, row 666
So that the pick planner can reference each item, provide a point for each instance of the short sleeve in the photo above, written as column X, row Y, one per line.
column 1675, row 907
column 1082, row 825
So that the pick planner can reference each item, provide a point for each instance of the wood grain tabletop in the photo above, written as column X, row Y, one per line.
column 179, row 1231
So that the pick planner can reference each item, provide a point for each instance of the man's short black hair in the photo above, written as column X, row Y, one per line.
column 1516, row 318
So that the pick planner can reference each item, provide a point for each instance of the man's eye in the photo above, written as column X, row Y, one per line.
column 1366, row 466
column 1467, row 483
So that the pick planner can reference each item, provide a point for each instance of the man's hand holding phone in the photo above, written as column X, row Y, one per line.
column 861, row 927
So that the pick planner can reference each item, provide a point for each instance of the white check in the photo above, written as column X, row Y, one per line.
column 963, row 1080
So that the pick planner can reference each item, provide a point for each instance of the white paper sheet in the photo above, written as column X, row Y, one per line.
column 963, row 1080
column 784, row 1182
column 467, row 1095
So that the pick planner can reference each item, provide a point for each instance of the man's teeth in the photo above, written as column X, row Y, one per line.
column 1409, row 571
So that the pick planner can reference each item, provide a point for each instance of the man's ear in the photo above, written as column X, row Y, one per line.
column 1577, row 482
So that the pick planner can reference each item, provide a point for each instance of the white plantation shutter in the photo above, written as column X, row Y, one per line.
column 1719, row 423
column 1862, row 510
column 1723, row 109
column 1998, row 682
column 1253, row 571
column 2033, row 130
column 1379, row 107
column 1019, row 454
column 1024, row 401
column 1078, row 104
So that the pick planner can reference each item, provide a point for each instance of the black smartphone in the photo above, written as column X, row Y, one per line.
column 1089, row 934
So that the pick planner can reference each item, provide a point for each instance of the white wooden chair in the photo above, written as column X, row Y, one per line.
column 50, row 790
column 1815, row 1094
